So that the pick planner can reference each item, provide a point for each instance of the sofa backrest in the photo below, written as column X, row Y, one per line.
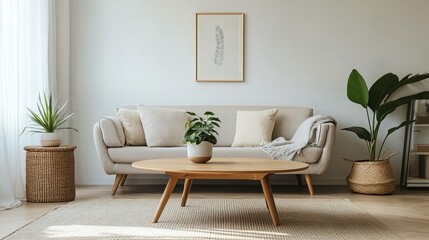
column 288, row 119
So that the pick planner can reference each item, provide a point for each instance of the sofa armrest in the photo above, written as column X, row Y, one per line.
column 112, row 132
column 102, row 150
column 327, row 142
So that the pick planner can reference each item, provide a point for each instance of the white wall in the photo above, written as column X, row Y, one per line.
column 297, row 53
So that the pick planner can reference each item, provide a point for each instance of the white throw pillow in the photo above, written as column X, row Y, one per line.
column 130, row 119
column 254, row 128
column 163, row 127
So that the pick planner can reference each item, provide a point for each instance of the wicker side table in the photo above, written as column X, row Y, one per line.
column 50, row 173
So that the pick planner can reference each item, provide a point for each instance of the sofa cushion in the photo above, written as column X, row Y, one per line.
column 112, row 132
column 288, row 119
column 254, row 128
column 163, row 127
column 133, row 128
column 130, row 154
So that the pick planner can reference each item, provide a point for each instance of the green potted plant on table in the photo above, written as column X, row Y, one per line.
column 375, row 175
column 200, row 136
column 48, row 118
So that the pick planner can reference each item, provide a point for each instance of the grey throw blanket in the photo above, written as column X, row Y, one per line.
column 308, row 133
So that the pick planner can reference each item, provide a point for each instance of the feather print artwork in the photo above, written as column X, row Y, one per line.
column 218, row 57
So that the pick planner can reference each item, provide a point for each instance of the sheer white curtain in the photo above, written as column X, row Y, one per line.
column 26, row 68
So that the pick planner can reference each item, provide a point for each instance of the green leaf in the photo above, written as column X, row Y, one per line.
column 357, row 90
column 191, row 113
column 190, row 131
column 208, row 113
column 187, row 124
column 413, row 79
column 216, row 124
column 389, row 107
column 58, row 110
column 59, row 122
column 212, row 139
column 380, row 89
column 37, row 119
column 214, row 119
column 69, row 128
column 403, row 124
column 197, row 124
column 409, row 79
column 42, row 113
column 361, row 132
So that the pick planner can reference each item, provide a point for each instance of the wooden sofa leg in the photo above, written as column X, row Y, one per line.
column 118, row 179
column 298, row 179
column 309, row 185
column 124, row 177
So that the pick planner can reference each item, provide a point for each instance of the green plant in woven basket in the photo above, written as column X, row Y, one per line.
column 377, row 100
column 49, row 116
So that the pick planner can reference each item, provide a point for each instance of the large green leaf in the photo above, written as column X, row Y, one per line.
column 361, row 132
column 403, row 124
column 413, row 79
column 391, row 106
column 380, row 89
column 357, row 90
column 408, row 79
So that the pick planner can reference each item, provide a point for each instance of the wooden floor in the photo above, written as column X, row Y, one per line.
column 406, row 212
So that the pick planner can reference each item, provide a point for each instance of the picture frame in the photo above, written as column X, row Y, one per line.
column 219, row 46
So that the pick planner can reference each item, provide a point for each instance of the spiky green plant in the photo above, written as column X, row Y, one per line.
column 378, row 101
column 48, row 117
column 200, row 129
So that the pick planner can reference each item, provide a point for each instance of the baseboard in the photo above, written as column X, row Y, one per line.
column 162, row 180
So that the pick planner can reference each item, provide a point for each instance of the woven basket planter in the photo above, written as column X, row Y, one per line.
column 371, row 177
column 50, row 174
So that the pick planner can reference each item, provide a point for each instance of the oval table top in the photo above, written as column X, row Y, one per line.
column 221, row 165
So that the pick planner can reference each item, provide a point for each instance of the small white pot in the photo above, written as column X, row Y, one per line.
column 51, row 139
column 200, row 153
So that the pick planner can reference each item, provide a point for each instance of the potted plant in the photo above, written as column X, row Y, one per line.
column 48, row 118
column 375, row 175
column 200, row 136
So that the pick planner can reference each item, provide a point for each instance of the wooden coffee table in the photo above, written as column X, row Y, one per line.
column 219, row 168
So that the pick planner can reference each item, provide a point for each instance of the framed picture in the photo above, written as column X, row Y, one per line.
column 219, row 47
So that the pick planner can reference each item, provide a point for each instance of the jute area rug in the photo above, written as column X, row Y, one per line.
column 206, row 219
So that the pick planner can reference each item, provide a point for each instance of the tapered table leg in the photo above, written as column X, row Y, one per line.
column 266, row 187
column 165, row 196
column 186, row 188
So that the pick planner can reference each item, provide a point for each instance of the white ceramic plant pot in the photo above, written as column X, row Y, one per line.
column 200, row 153
column 50, row 139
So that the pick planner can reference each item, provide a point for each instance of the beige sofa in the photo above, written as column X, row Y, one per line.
column 117, row 158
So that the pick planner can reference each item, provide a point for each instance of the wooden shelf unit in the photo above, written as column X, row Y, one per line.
column 415, row 162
